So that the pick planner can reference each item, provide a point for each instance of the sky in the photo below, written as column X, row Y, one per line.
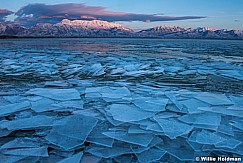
column 135, row 14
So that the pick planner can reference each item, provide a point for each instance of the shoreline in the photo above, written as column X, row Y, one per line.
column 154, row 38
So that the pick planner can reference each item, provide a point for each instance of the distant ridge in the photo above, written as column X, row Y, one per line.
column 201, row 32
column 99, row 28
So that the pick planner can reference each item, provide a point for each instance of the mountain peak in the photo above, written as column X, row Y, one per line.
column 94, row 24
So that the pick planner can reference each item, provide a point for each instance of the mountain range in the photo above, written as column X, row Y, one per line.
column 99, row 28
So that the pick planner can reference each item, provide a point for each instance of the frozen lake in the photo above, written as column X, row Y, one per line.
column 120, row 100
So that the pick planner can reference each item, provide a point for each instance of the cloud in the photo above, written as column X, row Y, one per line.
column 4, row 13
column 42, row 13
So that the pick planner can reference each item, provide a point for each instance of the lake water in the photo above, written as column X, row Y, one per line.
column 120, row 100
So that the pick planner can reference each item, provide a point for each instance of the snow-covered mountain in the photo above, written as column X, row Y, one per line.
column 68, row 28
column 99, row 28
column 201, row 32
column 10, row 29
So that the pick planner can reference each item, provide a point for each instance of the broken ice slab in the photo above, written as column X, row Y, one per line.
column 206, row 137
column 193, row 104
column 65, row 142
column 167, row 115
column 182, row 154
column 12, row 108
column 173, row 128
column 223, row 110
column 202, row 119
column 225, row 126
column 136, row 73
column 10, row 158
column 4, row 132
column 105, row 141
column 75, row 126
column 34, row 122
column 237, row 100
column 108, row 92
column 237, row 124
column 173, row 99
column 113, row 121
column 96, row 69
column 232, row 74
column 155, row 127
column 42, row 105
column 56, row 94
column 188, row 72
column 75, row 158
column 214, row 99
column 178, row 148
column 173, row 69
column 71, row 131
column 138, row 139
column 152, row 104
column 12, row 99
column 137, row 130
column 228, row 143
column 118, row 71
column 115, row 92
column 128, row 113
column 21, row 143
column 118, row 149
column 56, row 84
column 90, row 113
column 40, row 151
column 124, row 158
column 97, row 137
column 77, row 104
column 138, row 149
column 90, row 159
column 151, row 155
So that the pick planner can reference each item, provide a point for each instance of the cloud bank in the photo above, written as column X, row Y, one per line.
column 4, row 13
column 41, row 13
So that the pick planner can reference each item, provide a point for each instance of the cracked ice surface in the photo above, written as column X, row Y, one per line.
column 120, row 100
